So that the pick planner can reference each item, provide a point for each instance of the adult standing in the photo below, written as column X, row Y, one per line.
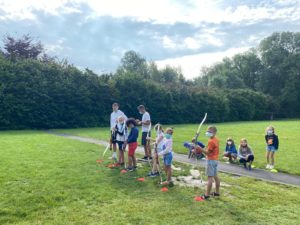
column 116, row 113
column 146, row 124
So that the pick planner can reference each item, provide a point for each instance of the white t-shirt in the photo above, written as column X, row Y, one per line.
column 146, row 117
column 114, row 117
column 167, row 146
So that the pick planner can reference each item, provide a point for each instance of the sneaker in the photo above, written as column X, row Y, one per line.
column 150, row 158
column 154, row 174
column 130, row 169
column 205, row 197
column 268, row 166
column 214, row 194
column 150, row 174
column 145, row 158
column 271, row 167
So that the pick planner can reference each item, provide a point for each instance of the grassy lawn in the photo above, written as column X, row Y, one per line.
column 287, row 158
column 45, row 179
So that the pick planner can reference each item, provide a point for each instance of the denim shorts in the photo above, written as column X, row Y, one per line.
column 168, row 159
column 271, row 148
column 211, row 168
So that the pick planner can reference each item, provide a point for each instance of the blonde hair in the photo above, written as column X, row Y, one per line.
column 169, row 129
column 270, row 128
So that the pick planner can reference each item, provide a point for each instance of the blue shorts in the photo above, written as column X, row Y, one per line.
column 211, row 168
column 168, row 159
column 271, row 148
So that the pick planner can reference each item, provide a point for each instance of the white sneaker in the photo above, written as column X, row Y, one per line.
column 268, row 166
column 271, row 167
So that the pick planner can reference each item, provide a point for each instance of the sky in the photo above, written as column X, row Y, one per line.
column 188, row 34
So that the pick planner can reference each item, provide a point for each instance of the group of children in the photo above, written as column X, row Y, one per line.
column 124, row 132
column 245, row 153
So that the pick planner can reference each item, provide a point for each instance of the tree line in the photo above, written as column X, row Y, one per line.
column 41, row 92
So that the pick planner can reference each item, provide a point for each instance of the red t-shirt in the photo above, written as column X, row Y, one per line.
column 213, row 149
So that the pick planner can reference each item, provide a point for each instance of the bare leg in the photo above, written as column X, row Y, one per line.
column 145, row 149
column 169, row 173
column 134, row 160
column 154, row 166
column 130, row 161
column 148, row 148
column 272, row 158
column 268, row 157
column 217, row 181
column 209, row 185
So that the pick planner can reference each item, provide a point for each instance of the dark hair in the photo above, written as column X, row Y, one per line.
column 115, row 104
column 130, row 121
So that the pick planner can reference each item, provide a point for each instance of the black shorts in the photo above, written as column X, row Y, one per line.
column 144, row 137
column 113, row 137
column 120, row 145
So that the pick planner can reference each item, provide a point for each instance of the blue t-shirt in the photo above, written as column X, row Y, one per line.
column 231, row 149
column 133, row 135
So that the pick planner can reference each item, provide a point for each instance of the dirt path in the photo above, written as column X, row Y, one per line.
column 282, row 178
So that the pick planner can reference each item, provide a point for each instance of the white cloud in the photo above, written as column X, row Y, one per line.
column 192, row 64
column 157, row 11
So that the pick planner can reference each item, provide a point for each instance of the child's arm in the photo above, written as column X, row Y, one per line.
column 234, row 149
column 240, row 154
column 276, row 142
column 250, row 150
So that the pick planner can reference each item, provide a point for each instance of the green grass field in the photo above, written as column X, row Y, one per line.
column 46, row 179
column 287, row 158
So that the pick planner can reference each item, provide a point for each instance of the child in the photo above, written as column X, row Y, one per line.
column 113, row 122
column 230, row 150
column 195, row 151
column 245, row 154
column 132, row 143
column 159, row 147
column 167, row 155
column 272, row 142
column 212, row 155
column 121, row 131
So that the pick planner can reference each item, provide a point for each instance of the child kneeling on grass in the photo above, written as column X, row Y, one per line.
column 212, row 155
column 245, row 154
column 132, row 143
column 230, row 150
column 272, row 142
column 167, row 154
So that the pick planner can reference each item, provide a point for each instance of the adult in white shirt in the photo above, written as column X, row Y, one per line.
column 146, row 126
column 116, row 113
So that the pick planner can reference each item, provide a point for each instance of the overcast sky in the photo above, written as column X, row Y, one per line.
column 186, row 33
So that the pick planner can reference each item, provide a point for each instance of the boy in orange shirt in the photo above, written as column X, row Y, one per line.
column 212, row 155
